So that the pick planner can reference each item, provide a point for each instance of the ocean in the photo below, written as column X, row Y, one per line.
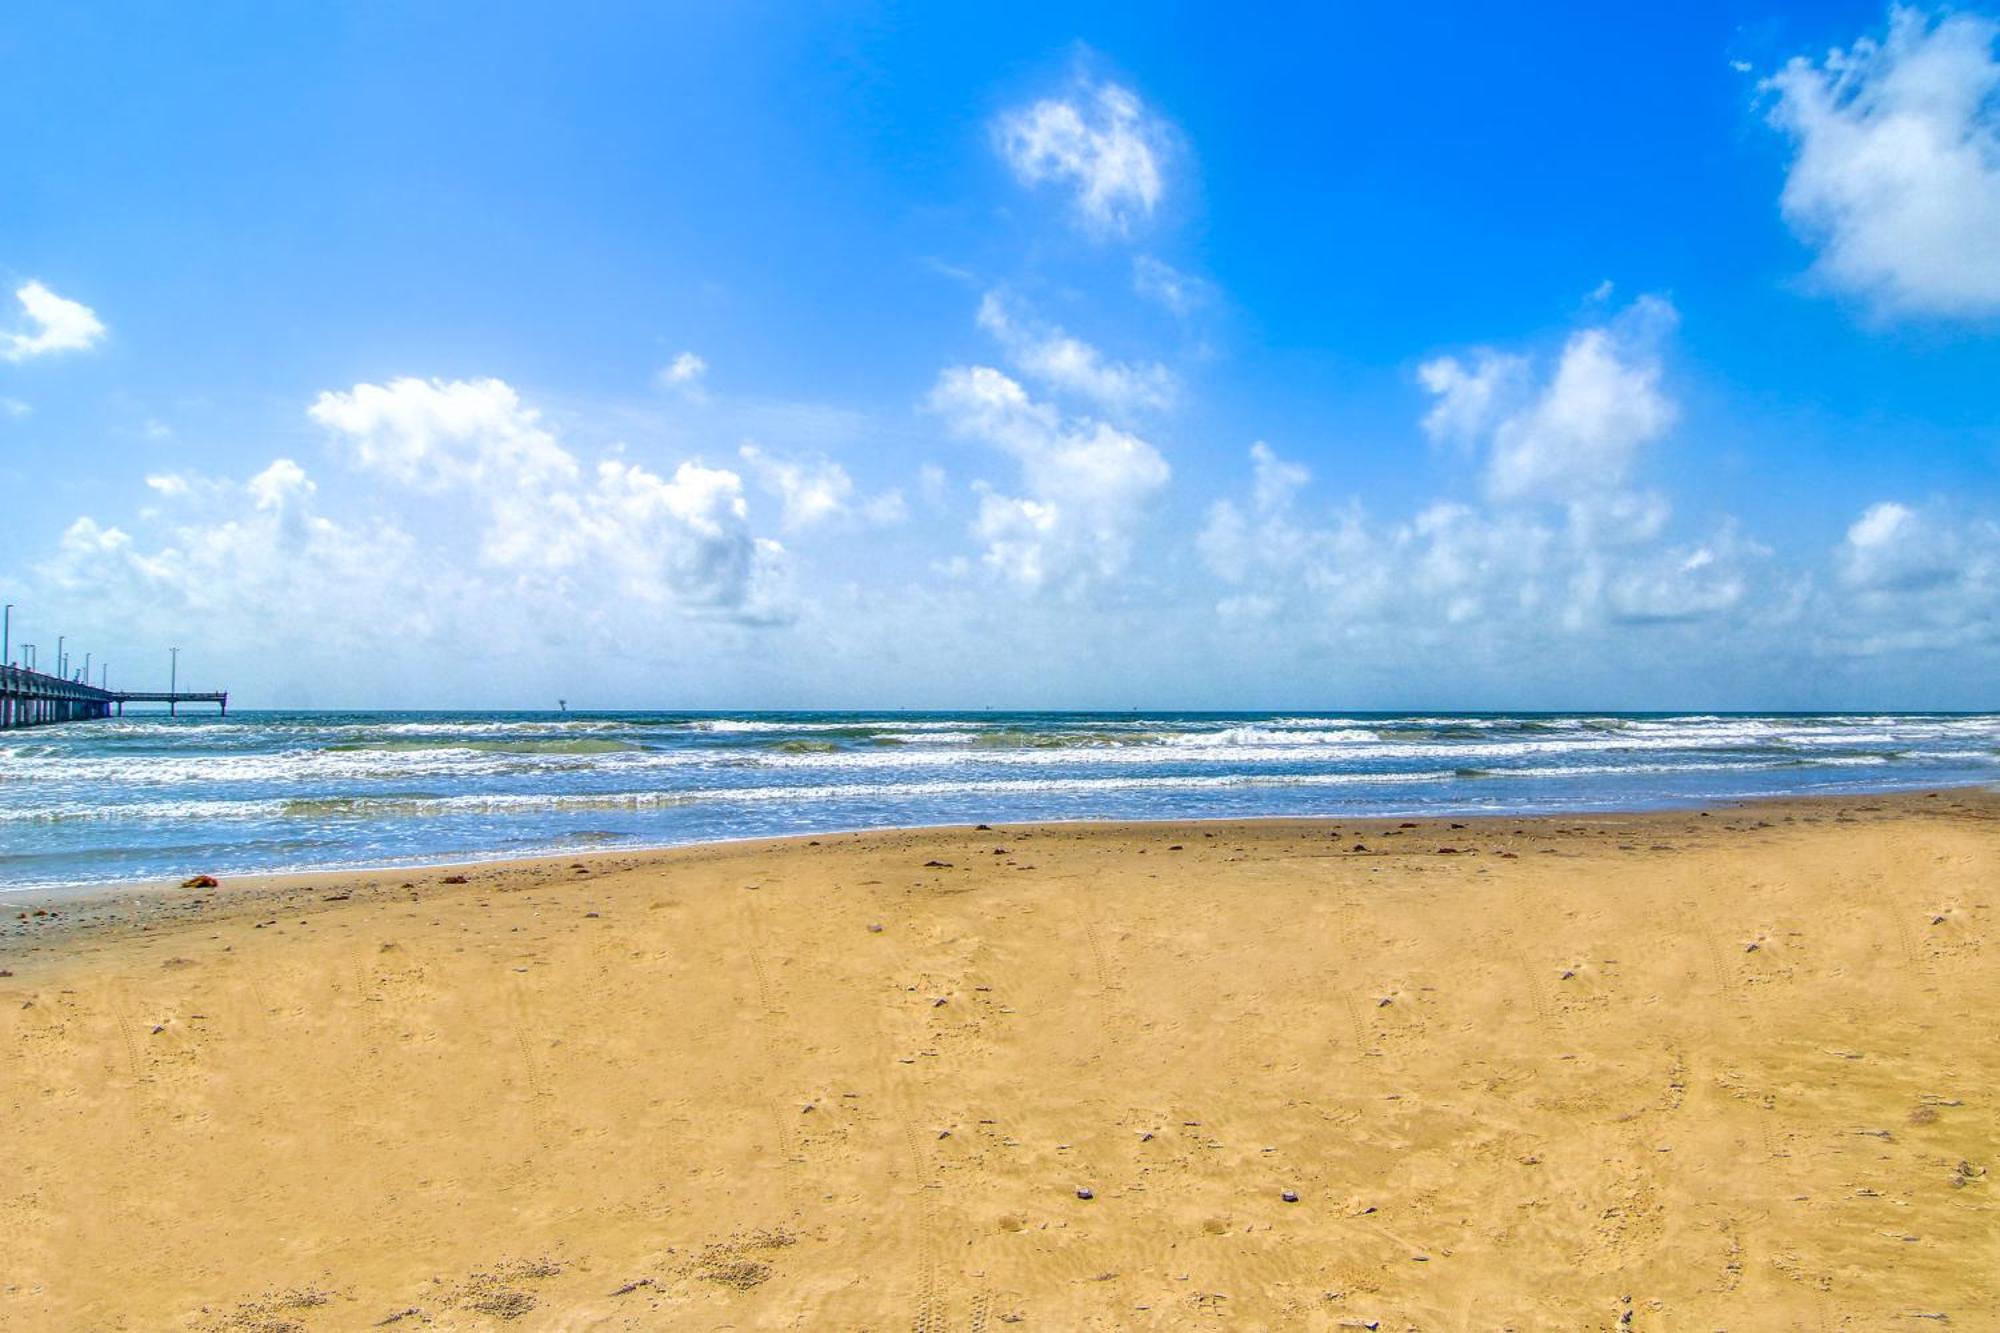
column 146, row 797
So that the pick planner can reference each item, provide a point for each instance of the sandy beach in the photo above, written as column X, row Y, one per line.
column 1689, row 1070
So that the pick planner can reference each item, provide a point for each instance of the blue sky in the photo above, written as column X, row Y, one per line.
column 816, row 356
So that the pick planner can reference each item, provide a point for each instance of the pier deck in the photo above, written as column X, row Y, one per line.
column 33, row 698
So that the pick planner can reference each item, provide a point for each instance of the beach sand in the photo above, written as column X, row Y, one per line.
column 1736, row 1070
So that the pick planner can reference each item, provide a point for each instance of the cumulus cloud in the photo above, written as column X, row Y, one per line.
column 1447, row 564
column 462, row 519
column 1893, row 549
column 1046, row 354
column 813, row 490
column 1683, row 583
column 55, row 324
column 1574, row 436
column 434, row 434
column 1510, row 572
column 1896, row 170
column 1100, row 142
column 1086, row 483
column 251, row 560
column 1913, row 578
column 683, row 538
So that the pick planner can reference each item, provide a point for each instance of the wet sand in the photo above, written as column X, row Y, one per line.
column 1672, row 1071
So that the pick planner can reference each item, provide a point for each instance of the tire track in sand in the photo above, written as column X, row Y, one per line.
column 121, row 1017
column 932, row 1314
column 779, row 1049
column 521, row 1021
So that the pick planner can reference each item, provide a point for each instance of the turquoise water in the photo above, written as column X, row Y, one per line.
column 145, row 797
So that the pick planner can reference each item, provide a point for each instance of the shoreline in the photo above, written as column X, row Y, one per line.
column 46, row 894
column 106, row 893
column 1730, row 1067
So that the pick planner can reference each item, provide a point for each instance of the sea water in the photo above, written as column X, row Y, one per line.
column 150, row 796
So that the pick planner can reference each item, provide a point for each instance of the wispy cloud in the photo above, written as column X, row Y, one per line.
column 1047, row 354
column 1100, row 142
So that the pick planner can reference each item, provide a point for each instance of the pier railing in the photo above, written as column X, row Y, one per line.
column 32, row 698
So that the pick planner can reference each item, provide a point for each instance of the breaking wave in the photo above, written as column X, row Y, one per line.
column 151, row 796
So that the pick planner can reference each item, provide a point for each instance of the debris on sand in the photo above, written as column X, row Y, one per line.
column 501, row 1302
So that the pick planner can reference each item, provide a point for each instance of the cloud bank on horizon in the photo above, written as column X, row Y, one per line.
column 1081, row 497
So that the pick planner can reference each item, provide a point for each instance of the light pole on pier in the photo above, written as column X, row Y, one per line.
column 62, row 667
column 7, row 636
column 86, row 668
column 173, row 679
column 28, row 656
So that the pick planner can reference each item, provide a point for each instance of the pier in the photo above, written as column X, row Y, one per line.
column 33, row 698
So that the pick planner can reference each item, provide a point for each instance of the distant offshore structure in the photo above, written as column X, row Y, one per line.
column 30, row 698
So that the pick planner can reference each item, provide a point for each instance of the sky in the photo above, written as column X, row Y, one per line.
column 1066, row 356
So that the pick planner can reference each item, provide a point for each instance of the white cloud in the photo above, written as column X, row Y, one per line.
column 1915, row 580
column 249, row 562
column 1575, row 436
column 14, row 407
column 1685, row 583
column 813, row 490
column 1050, row 356
column 1275, row 480
column 684, row 538
column 1087, row 483
column 1896, row 175
column 279, row 485
column 1469, row 398
column 686, row 374
column 1891, row 549
column 1099, row 141
column 1507, row 573
column 434, row 434
column 59, row 325
column 1161, row 282
column 1446, row 565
